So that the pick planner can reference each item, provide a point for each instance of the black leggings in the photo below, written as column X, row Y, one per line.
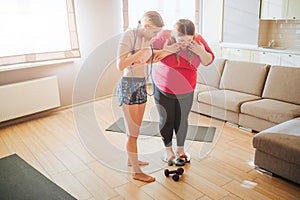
column 173, row 113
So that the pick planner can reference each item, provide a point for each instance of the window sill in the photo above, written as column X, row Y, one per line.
column 35, row 64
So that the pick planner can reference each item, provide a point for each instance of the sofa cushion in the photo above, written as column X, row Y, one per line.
column 254, row 123
column 283, row 84
column 281, row 141
column 210, row 75
column 226, row 99
column 204, row 88
column 271, row 110
column 290, row 127
column 244, row 77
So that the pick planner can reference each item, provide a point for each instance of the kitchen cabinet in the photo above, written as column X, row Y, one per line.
column 290, row 60
column 266, row 57
column 236, row 54
column 293, row 11
column 280, row 9
column 273, row 9
column 261, row 56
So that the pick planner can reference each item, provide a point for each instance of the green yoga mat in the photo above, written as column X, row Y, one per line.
column 149, row 128
column 18, row 180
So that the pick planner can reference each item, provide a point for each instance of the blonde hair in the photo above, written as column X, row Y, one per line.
column 153, row 18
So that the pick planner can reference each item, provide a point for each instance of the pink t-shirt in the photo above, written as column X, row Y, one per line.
column 173, row 76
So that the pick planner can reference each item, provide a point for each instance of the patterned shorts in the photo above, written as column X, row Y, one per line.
column 132, row 91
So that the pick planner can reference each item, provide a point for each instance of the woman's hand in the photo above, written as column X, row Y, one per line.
column 165, row 51
column 199, row 49
column 196, row 48
column 173, row 48
column 159, row 55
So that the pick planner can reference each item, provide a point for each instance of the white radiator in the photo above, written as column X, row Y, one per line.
column 24, row 98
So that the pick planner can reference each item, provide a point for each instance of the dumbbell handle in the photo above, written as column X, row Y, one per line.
column 178, row 171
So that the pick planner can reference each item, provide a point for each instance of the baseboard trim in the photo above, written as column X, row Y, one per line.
column 232, row 124
column 263, row 170
column 245, row 129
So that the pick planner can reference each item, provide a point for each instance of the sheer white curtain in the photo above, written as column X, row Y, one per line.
column 33, row 26
column 35, row 30
column 170, row 10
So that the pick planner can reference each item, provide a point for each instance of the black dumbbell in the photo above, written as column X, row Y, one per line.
column 175, row 177
column 177, row 172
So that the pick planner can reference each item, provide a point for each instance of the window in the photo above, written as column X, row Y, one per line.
column 170, row 10
column 35, row 30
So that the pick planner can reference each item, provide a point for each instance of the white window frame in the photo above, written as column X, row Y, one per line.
column 126, row 18
column 73, row 52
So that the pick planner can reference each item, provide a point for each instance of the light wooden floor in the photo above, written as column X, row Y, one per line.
column 64, row 147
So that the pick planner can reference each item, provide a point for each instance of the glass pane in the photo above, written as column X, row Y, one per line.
column 170, row 10
column 33, row 26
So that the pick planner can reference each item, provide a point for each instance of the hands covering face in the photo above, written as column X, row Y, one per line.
column 191, row 45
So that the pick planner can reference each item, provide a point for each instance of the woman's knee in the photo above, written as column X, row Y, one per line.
column 132, row 129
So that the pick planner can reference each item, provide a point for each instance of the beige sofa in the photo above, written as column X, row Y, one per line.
column 259, row 97
column 280, row 100
column 250, row 95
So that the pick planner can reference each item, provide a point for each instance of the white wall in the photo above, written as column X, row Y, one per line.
column 97, row 20
column 100, row 24
column 211, row 17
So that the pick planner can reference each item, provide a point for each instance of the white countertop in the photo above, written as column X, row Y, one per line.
column 267, row 49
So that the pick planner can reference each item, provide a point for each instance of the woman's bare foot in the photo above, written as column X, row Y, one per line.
column 169, row 155
column 170, row 158
column 180, row 152
column 143, row 177
column 140, row 163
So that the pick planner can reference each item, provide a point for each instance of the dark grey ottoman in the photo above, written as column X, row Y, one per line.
column 277, row 150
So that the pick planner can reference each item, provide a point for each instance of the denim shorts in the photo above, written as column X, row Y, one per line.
column 132, row 91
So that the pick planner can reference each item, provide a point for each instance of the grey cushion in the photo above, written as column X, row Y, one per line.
column 271, row 110
column 211, row 75
column 226, row 99
column 283, row 83
column 290, row 127
column 244, row 77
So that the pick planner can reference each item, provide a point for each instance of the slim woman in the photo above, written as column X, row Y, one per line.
column 175, row 80
column 134, row 52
